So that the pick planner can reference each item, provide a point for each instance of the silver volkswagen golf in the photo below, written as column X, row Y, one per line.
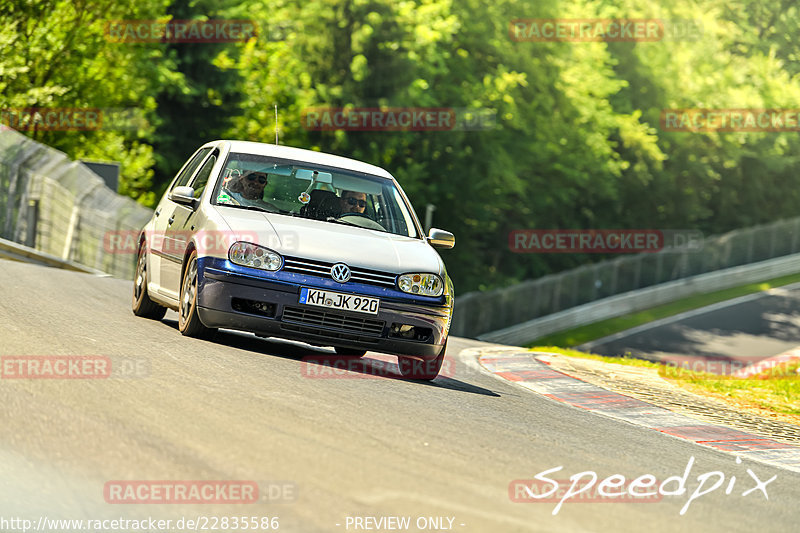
column 301, row 245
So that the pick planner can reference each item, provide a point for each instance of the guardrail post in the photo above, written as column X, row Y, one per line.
column 31, row 223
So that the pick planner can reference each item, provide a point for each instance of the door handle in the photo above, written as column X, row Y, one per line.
column 171, row 220
column 158, row 211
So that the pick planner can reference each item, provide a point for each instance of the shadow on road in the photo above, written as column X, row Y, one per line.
column 322, row 363
column 743, row 331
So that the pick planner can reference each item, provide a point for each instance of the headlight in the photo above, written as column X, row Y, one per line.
column 252, row 255
column 424, row 284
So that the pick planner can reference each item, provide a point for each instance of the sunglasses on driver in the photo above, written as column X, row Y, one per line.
column 356, row 202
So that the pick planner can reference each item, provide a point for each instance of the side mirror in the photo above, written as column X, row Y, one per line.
column 183, row 195
column 440, row 238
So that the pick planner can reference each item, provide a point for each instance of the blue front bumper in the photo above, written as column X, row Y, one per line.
column 235, row 297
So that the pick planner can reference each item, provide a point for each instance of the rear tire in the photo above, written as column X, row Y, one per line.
column 142, row 305
column 349, row 352
column 421, row 370
column 188, row 320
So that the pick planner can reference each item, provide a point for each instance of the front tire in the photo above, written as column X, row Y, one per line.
column 188, row 320
column 142, row 305
column 421, row 370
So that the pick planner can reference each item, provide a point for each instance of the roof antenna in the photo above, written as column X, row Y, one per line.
column 276, row 124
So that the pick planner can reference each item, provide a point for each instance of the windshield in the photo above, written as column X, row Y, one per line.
column 321, row 193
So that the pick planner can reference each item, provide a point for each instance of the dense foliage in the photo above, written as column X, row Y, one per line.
column 577, row 141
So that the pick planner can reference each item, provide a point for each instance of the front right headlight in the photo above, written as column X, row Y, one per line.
column 421, row 283
column 255, row 256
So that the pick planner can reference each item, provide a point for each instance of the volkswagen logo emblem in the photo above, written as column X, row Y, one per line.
column 340, row 272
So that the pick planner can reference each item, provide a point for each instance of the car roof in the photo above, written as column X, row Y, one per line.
column 310, row 156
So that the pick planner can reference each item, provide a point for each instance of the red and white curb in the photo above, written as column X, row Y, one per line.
column 522, row 368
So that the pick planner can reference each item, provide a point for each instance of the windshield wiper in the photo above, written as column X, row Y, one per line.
column 338, row 221
column 250, row 207
column 256, row 208
column 346, row 223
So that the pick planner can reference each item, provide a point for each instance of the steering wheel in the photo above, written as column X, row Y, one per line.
column 363, row 219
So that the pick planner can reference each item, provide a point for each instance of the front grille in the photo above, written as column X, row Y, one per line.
column 324, row 320
column 323, row 269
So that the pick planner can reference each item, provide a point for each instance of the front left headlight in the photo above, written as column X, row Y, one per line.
column 422, row 284
column 252, row 255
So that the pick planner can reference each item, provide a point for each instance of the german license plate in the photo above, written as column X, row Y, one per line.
column 337, row 300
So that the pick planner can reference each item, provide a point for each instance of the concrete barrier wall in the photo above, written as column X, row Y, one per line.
column 640, row 300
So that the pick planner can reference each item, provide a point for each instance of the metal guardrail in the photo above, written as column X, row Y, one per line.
column 631, row 302
column 479, row 313
column 61, row 208
column 17, row 252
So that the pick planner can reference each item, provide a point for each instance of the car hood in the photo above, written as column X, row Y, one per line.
column 327, row 241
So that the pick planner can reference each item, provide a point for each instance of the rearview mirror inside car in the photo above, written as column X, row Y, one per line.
column 321, row 177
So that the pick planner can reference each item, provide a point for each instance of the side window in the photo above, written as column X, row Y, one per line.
column 186, row 173
column 202, row 177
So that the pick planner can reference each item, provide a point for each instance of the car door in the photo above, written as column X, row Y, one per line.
column 180, row 227
column 162, row 251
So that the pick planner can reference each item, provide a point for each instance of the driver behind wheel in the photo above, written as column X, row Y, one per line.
column 248, row 189
column 353, row 202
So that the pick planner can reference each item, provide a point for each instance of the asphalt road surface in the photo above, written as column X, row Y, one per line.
column 745, row 330
column 323, row 451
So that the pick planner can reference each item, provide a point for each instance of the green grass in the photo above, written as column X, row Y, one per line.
column 630, row 361
column 776, row 390
column 597, row 330
column 774, row 393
